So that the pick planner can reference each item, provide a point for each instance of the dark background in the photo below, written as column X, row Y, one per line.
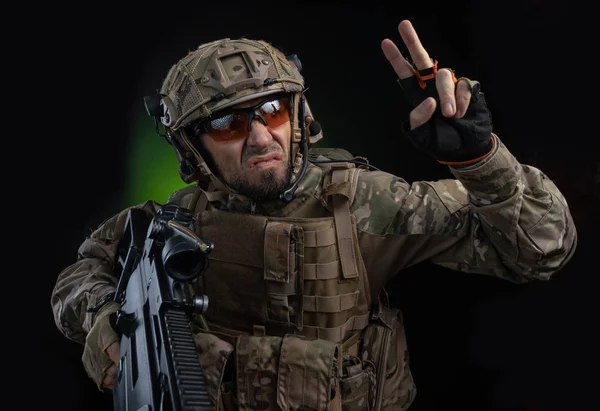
column 476, row 343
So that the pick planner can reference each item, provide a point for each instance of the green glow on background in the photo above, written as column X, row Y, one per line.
column 153, row 169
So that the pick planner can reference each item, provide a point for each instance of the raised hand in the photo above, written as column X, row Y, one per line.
column 460, row 141
column 454, row 99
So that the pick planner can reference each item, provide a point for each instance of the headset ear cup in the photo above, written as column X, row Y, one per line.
column 153, row 106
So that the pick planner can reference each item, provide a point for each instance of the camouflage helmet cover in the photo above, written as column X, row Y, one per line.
column 221, row 74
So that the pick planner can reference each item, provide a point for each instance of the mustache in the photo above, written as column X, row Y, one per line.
column 249, row 152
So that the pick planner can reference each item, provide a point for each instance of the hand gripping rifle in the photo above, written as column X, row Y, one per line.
column 159, row 368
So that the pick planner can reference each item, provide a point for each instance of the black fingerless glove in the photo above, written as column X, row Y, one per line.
column 449, row 140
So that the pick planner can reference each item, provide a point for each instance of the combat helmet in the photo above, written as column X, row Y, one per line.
column 221, row 74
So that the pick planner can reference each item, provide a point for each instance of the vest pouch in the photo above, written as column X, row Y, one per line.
column 257, row 365
column 213, row 354
column 293, row 372
column 308, row 372
column 283, row 275
column 384, row 344
column 357, row 384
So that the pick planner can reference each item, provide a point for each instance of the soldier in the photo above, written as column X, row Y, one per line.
column 306, row 239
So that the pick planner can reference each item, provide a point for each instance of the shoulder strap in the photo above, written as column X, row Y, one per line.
column 331, row 153
column 321, row 156
column 341, row 189
column 201, row 198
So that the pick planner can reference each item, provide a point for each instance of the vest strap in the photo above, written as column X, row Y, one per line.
column 199, row 201
column 330, row 304
column 337, row 334
column 324, row 271
column 214, row 195
column 319, row 238
column 342, row 178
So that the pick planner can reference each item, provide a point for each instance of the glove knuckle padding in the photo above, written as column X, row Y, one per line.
column 101, row 336
column 449, row 139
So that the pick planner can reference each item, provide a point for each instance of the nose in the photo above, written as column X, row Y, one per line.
column 259, row 135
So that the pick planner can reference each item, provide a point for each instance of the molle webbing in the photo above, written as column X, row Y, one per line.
column 289, row 275
column 341, row 188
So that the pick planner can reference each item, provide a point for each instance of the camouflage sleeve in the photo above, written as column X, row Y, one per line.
column 498, row 217
column 80, row 285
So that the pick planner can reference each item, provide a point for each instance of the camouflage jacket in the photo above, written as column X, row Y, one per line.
column 497, row 217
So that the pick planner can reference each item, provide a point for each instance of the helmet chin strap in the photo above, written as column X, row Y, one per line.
column 288, row 194
column 221, row 189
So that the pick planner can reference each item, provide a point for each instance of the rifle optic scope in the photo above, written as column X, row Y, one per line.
column 184, row 254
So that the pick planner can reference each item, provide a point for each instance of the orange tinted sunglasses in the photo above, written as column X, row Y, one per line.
column 235, row 124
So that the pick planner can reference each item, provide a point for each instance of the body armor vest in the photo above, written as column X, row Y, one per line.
column 289, row 319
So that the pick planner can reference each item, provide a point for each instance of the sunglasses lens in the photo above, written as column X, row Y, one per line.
column 276, row 112
column 234, row 126
column 230, row 127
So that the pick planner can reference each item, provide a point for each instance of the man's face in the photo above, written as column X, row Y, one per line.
column 259, row 165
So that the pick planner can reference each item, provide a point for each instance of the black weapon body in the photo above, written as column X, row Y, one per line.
column 159, row 369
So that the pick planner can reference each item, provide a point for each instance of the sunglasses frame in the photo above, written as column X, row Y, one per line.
column 252, row 112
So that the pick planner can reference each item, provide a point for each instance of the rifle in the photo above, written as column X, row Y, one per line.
column 159, row 368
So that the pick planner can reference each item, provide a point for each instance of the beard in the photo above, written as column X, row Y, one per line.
column 268, row 190
column 271, row 185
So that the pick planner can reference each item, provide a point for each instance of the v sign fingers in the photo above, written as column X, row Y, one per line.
column 399, row 63
column 402, row 67
column 417, row 52
column 449, row 118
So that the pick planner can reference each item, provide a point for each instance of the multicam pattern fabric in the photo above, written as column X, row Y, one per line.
column 223, row 73
column 357, row 388
column 92, row 277
column 384, row 345
column 498, row 217
column 306, row 371
column 213, row 354
column 257, row 365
